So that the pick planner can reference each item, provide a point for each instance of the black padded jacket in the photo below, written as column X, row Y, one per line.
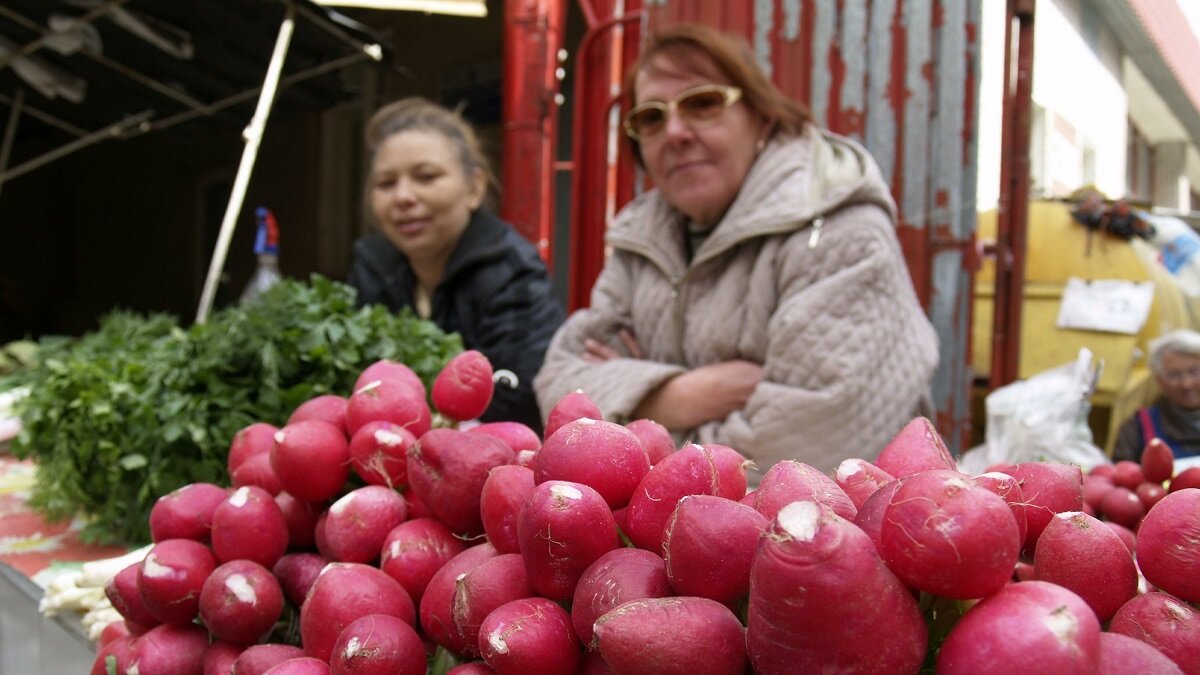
column 496, row 293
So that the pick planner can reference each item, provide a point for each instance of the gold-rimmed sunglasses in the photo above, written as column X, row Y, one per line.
column 698, row 107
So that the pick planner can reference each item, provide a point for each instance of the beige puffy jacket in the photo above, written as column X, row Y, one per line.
column 804, row 275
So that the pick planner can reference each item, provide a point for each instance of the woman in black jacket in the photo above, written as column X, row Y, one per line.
column 440, row 252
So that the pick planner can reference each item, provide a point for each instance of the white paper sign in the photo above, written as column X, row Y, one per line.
column 1109, row 305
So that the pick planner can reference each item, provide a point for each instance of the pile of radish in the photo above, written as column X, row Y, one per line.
column 376, row 534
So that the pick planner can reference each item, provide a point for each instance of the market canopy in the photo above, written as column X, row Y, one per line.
column 77, row 72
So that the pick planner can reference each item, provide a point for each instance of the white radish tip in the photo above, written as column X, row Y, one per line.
column 848, row 468
column 279, row 436
column 496, row 640
column 352, row 648
column 341, row 504
column 1062, row 625
column 586, row 421
column 565, row 491
column 154, row 569
column 240, row 497
column 799, row 519
column 1068, row 515
column 373, row 384
column 240, row 587
column 388, row 438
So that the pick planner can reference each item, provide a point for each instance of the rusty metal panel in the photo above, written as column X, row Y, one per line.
column 900, row 76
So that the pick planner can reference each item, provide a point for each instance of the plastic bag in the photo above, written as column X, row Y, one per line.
column 1178, row 248
column 1043, row 418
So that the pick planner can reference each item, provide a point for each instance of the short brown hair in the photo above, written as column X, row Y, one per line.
column 734, row 59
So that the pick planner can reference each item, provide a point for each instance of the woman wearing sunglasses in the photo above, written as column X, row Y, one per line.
column 757, row 297
column 440, row 251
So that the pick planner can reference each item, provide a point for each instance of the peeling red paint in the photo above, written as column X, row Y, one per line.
column 968, row 125
column 837, row 80
column 939, row 14
column 897, row 93
column 941, row 198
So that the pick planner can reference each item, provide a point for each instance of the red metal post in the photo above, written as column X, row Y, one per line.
column 1013, row 211
column 533, row 35
column 598, row 186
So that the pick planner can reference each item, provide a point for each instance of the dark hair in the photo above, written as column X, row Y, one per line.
column 416, row 113
column 734, row 59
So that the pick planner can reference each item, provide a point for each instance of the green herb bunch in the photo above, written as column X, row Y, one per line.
column 142, row 406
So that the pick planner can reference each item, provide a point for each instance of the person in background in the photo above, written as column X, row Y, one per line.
column 757, row 297
column 439, row 251
column 1175, row 362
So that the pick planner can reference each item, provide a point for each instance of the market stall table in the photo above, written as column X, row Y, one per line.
column 31, row 551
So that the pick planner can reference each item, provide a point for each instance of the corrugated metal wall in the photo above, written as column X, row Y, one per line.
column 900, row 76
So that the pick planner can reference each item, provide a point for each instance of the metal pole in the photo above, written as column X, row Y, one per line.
column 111, row 131
column 1013, row 214
column 10, row 130
column 253, row 135
column 31, row 47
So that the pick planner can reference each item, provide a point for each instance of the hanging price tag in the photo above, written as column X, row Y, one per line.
column 1108, row 305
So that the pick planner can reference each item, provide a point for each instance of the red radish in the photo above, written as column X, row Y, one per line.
column 379, row 452
column 1094, row 489
column 111, row 631
column 1005, row 467
column 386, row 369
column 415, row 550
column 573, row 406
column 241, row 601
column 1128, row 474
column 1168, row 544
column 1164, row 622
column 463, row 389
column 117, row 653
column 504, row 493
column 185, row 513
column 1048, row 488
column 817, row 586
column 326, row 407
column 1188, row 478
column 170, row 578
column 257, row 660
column 257, row 470
column 416, row 508
column 916, row 448
column 692, row 470
column 447, row 469
column 1024, row 572
column 220, row 657
column 1080, row 554
column 250, row 525
column 604, row 456
column 478, row 591
column 301, row 518
column 515, row 435
column 437, row 603
column 1125, row 534
column 870, row 516
column 1102, row 470
column 709, row 545
column 343, row 593
column 1008, row 489
column 731, row 470
column 529, row 636
column 1158, row 462
column 311, row 459
column 1122, row 506
column 563, row 528
column 1150, row 494
column 593, row 664
column 525, row 458
column 655, row 438
column 255, row 439
column 296, row 573
column 359, row 522
column 319, row 536
column 1121, row 655
column 378, row 644
column 305, row 665
column 169, row 650
column 860, row 479
column 672, row 636
column 122, row 592
column 1028, row 627
column 389, row 400
column 944, row 534
column 621, row 575
column 791, row 481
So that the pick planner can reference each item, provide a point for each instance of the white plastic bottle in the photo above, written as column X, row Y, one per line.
column 266, row 246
